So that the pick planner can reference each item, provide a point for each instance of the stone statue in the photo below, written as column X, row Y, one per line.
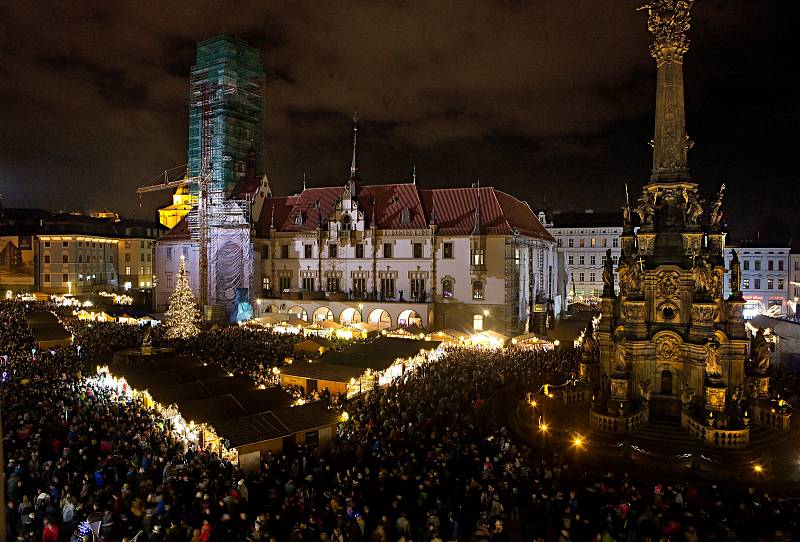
column 701, row 273
column 626, row 216
column 668, row 21
column 635, row 274
column 715, row 284
column 620, row 363
column 761, row 352
column 736, row 273
column 646, row 210
column 645, row 391
column 591, row 347
column 687, row 396
column 608, row 273
column 715, row 211
column 147, row 339
column 713, row 367
column 694, row 209
column 622, row 272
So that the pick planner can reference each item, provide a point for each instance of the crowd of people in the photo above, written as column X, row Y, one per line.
column 423, row 459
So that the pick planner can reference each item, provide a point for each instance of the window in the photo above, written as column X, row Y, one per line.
column 477, row 322
column 47, row 259
column 604, row 242
column 570, row 242
column 757, row 265
column 417, row 251
column 359, row 286
column 387, row 287
column 745, row 283
column 746, row 265
column 127, row 256
column 757, row 284
column 591, row 277
column 265, row 284
column 478, row 257
column 169, row 280
column 285, row 282
column 333, row 284
column 418, row 290
column 581, row 259
column 780, row 284
column 80, row 244
column 571, row 259
column 581, row 276
column 387, row 250
column 64, row 244
column 592, row 260
column 770, row 265
column 141, row 270
column 47, row 245
column 47, row 277
column 141, row 243
column 264, row 252
column 780, row 265
column 447, row 288
column 769, row 284
column 169, row 254
column 797, row 266
column 65, row 258
column 127, row 269
column 284, row 251
column 448, row 250
column 307, row 251
column 65, row 277
column 582, row 243
column 308, row 283
column 333, row 251
column 141, row 256
column 615, row 242
column 593, row 242
column 477, row 289
column 359, row 250
column 559, row 242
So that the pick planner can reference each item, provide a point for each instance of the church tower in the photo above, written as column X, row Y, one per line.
column 669, row 344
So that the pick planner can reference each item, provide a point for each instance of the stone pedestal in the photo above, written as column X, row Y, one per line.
column 704, row 314
column 715, row 392
column 619, row 401
column 634, row 313
column 761, row 385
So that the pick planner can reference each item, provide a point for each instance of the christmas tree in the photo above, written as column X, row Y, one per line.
column 182, row 314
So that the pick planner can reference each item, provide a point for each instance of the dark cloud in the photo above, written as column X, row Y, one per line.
column 551, row 97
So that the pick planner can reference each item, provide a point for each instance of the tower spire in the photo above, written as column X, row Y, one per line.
column 414, row 174
column 354, row 162
column 477, row 228
column 668, row 21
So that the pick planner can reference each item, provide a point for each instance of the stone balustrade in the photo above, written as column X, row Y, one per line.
column 575, row 397
column 620, row 424
column 720, row 438
column 767, row 414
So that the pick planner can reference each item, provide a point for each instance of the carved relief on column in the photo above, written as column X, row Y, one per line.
column 633, row 311
column 647, row 243
column 704, row 314
column 692, row 243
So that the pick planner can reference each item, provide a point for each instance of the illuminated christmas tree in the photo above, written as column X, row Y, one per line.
column 182, row 315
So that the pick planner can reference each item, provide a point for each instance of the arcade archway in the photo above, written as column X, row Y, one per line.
column 409, row 317
column 350, row 316
column 322, row 314
column 380, row 318
column 298, row 312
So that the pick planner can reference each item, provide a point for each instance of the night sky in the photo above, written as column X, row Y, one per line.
column 542, row 99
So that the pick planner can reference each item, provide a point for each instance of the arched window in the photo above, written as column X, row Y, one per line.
column 666, row 382
column 477, row 322
column 346, row 223
column 477, row 289
column 447, row 288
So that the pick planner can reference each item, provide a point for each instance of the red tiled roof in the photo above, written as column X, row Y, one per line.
column 500, row 212
column 179, row 232
column 281, row 207
column 390, row 202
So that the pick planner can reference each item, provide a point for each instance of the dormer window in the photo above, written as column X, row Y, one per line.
column 393, row 200
column 405, row 216
column 299, row 220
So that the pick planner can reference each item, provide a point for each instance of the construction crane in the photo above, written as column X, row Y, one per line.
column 203, row 183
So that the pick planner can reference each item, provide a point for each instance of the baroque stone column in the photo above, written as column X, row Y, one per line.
column 668, row 21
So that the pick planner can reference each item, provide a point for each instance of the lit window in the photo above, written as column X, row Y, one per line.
column 478, row 257
column 593, row 242
column 582, row 243
column 477, row 289
column 447, row 288
column 745, row 283
column 477, row 322
column 769, row 284
column 605, row 242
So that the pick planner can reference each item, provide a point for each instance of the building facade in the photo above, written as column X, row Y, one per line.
column 583, row 239
column 766, row 276
column 396, row 256
column 68, row 253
